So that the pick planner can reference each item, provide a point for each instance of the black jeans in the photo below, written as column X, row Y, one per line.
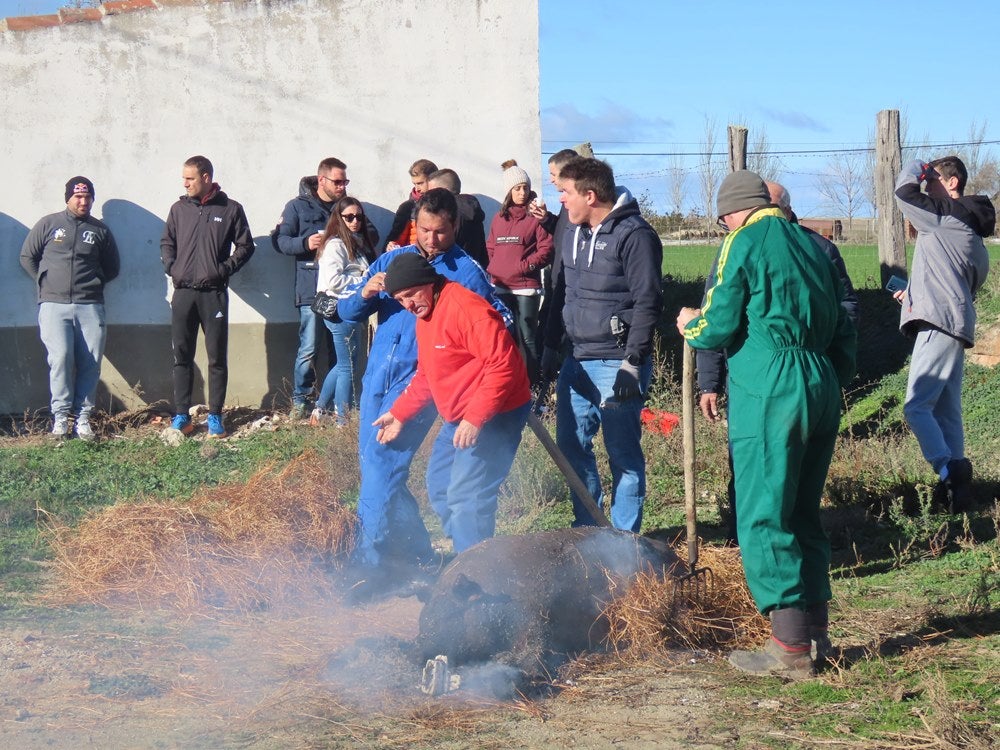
column 209, row 310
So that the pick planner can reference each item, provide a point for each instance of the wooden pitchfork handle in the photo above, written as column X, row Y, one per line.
column 688, row 411
column 562, row 463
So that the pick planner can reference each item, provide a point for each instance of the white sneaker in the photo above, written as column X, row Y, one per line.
column 319, row 417
column 84, row 430
column 60, row 427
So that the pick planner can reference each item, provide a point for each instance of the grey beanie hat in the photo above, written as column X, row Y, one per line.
column 406, row 270
column 740, row 190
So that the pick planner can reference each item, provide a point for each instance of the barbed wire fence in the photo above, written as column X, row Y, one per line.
column 655, row 183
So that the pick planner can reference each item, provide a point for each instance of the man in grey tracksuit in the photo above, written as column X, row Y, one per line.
column 71, row 256
column 950, row 264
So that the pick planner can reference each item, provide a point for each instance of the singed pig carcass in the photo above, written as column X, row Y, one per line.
column 528, row 601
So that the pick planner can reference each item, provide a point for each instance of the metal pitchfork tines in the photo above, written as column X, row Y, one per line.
column 696, row 584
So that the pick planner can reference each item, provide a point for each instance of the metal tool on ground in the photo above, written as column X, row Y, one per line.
column 562, row 463
column 698, row 580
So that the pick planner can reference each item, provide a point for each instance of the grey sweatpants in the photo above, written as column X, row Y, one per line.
column 933, row 407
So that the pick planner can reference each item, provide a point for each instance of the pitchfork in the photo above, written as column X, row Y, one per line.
column 698, row 581
column 562, row 463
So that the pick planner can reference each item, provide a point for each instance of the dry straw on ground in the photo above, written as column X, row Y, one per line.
column 657, row 614
column 239, row 546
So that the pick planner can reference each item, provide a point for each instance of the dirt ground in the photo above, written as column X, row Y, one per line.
column 321, row 676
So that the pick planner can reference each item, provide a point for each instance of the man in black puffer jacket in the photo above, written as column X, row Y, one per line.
column 198, row 254
column 606, row 302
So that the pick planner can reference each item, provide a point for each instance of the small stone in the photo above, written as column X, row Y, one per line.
column 769, row 704
column 22, row 714
column 171, row 437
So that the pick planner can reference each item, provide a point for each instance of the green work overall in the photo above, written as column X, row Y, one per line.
column 775, row 308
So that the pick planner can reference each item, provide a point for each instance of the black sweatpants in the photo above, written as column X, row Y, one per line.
column 208, row 309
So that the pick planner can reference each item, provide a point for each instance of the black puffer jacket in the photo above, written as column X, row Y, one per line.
column 197, row 248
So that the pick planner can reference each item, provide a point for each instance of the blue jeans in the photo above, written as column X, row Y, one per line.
column 585, row 403
column 389, row 522
column 304, row 374
column 74, row 337
column 463, row 484
column 933, row 406
column 338, row 387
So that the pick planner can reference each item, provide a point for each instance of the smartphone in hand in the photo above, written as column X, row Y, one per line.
column 896, row 284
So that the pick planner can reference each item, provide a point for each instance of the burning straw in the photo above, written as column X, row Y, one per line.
column 239, row 546
column 654, row 614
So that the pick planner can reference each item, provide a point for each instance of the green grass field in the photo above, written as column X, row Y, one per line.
column 691, row 262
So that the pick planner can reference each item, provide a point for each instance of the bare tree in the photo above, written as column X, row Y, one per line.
column 709, row 173
column 761, row 161
column 677, row 181
column 843, row 185
column 984, row 169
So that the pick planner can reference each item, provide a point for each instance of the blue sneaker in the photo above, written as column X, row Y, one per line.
column 215, row 427
column 183, row 424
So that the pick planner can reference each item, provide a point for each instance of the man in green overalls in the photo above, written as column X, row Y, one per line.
column 774, row 306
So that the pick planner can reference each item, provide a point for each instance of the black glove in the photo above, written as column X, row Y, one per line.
column 627, row 382
column 548, row 368
column 927, row 172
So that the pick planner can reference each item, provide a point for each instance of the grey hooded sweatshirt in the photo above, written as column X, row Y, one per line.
column 950, row 261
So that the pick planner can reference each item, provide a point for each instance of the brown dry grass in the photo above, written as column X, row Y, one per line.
column 238, row 546
column 656, row 614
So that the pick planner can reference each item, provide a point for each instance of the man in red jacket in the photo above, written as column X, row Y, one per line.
column 469, row 365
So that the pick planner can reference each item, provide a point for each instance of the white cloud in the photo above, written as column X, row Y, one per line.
column 797, row 120
column 613, row 123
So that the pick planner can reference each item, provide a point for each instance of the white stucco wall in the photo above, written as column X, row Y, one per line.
column 265, row 90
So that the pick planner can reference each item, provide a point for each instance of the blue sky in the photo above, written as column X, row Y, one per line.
column 644, row 76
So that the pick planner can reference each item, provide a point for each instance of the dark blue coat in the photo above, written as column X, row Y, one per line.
column 303, row 217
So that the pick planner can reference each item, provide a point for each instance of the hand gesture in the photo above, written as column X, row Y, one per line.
column 389, row 428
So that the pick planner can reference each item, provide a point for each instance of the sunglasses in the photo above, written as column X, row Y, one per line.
column 338, row 183
column 352, row 217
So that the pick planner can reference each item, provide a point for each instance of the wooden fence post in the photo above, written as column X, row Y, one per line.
column 888, row 162
column 737, row 148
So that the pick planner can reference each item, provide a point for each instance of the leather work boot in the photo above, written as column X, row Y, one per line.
column 823, row 651
column 787, row 653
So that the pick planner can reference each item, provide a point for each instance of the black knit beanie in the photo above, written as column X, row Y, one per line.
column 406, row 270
column 79, row 184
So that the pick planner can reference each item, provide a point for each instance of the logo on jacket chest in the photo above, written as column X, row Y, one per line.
column 89, row 237
column 59, row 235
column 600, row 244
column 511, row 239
column 217, row 219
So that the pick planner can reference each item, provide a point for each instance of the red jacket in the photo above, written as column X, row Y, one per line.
column 519, row 249
column 467, row 362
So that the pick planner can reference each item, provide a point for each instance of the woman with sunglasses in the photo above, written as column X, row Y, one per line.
column 343, row 260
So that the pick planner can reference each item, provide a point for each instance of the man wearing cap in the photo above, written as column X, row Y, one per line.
column 390, row 526
column 205, row 241
column 71, row 256
column 712, row 363
column 774, row 305
column 470, row 367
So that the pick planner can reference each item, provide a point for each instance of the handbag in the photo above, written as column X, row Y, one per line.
column 325, row 305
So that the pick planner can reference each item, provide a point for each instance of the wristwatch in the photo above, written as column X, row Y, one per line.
column 634, row 359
